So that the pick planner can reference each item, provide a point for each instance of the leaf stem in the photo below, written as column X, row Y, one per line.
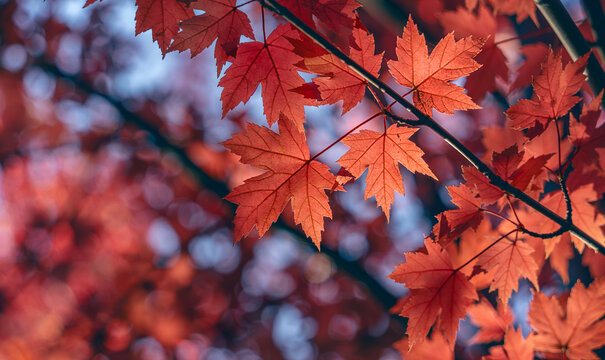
column 243, row 4
column 558, row 144
column 382, row 107
column 427, row 121
column 484, row 250
column 499, row 216
column 510, row 203
column 262, row 12
column 345, row 135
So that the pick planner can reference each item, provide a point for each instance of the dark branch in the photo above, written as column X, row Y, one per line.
column 430, row 123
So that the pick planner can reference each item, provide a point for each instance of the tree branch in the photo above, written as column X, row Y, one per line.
column 573, row 41
column 353, row 268
column 433, row 125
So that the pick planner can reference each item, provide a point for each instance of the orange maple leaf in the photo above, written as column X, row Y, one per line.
column 515, row 347
column 554, row 91
column 579, row 332
column 584, row 215
column 271, row 65
column 452, row 223
column 481, row 24
column 381, row 153
column 435, row 348
column 521, row 8
column 438, row 293
column 506, row 262
column 429, row 76
column 290, row 174
column 492, row 324
column 337, row 14
column 339, row 82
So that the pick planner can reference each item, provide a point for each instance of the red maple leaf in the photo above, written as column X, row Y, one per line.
column 575, row 334
column 435, row 348
column 452, row 223
column 515, row 347
column 509, row 166
column 339, row 82
column 506, row 262
column 492, row 324
column 554, row 91
column 290, row 174
column 521, row 8
column 534, row 56
column 429, row 76
column 483, row 24
column 271, row 65
column 162, row 17
column 584, row 214
column 586, row 135
column 221, row 20
column 336, row 14
column 439, row 293
column 381, row 153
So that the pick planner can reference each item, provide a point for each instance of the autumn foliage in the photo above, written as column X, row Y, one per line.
column 513, row 245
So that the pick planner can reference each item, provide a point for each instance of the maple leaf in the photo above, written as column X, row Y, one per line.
column 492, row 325
column 290, row 174
column 506, row 262
column 595, row 262
column 579, row 332
column 336, row 14
column 270, row 65
column 221, row 21
column 429, row 76
column 381, row 152
column 452, row 223
column 493, row 62
column 586, row 135
column 554, row 91
column 534, row 56
column 509, row 165
column 488, row 193
column 162, row 17
column 515, row 347
column 339, row 82
column 439, row 293
column 584, row 214
column 560, row 251
column 521, row 8
column 435, row 348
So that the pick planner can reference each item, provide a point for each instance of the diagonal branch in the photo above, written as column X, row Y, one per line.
column 353, row 268
column 433, row 125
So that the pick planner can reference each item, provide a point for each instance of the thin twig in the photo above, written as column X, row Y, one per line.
column 427, row 121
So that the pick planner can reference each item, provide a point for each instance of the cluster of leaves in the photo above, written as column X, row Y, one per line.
column 491, row 240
